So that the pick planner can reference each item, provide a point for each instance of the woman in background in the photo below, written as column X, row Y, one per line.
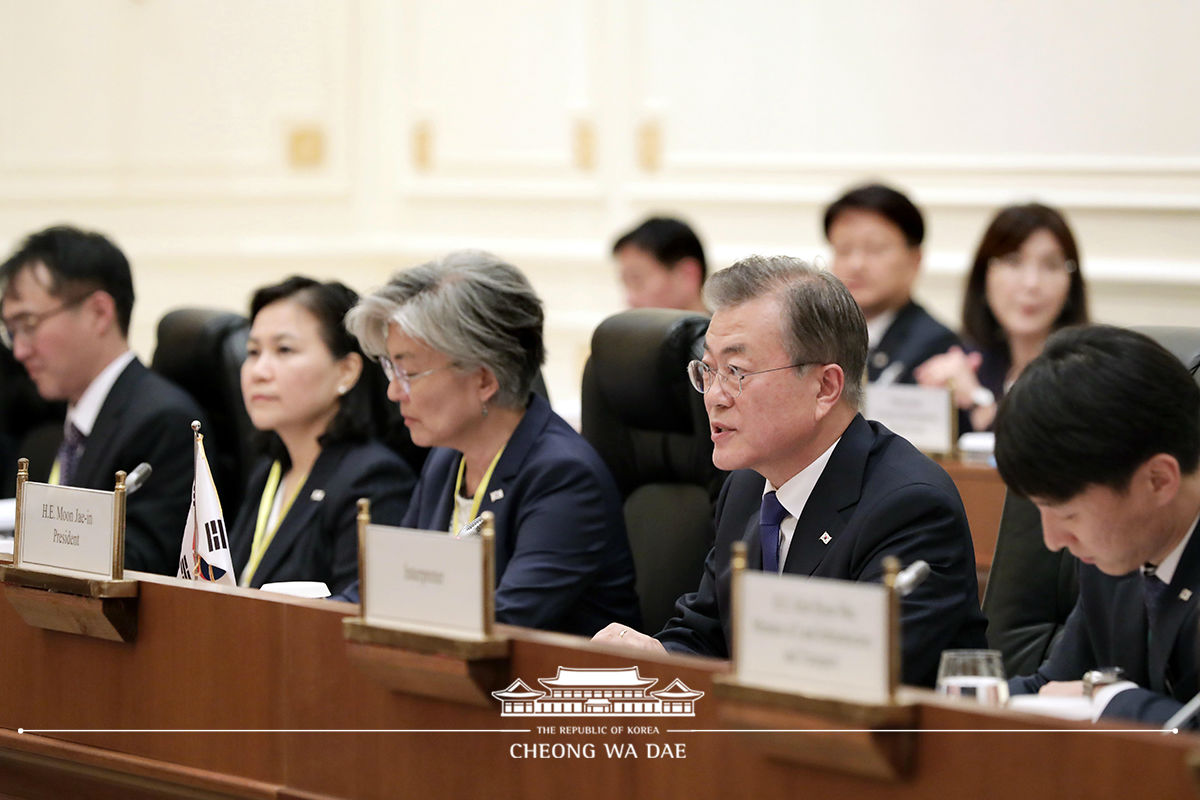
column 304, row 387
column 1026, row 282
column 460, row 340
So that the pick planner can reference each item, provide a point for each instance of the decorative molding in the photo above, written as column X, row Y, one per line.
column 709, row 192
column 967, row 163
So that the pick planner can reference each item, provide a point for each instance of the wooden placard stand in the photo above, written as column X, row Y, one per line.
column 103, row 608
column 875, row 741
column 431, row 665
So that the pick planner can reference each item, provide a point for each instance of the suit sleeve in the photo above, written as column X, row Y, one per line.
column 1071, row 656
column 696, row 627
column 1144, row 705
column 388, row 484
column 561, row 541
column 156, row 514
column 922, row 521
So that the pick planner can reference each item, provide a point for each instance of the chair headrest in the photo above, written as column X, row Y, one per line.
column 639, row 358
column 1183, row 341
column 192, row 342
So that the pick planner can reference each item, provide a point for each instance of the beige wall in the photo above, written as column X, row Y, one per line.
column 540, row 128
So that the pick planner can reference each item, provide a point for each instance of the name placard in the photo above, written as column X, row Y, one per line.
column 924, row 415
column 424, row 581
column 65, row 529
column 813, row 636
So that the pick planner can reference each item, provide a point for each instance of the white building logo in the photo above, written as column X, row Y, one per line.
column 619, row 691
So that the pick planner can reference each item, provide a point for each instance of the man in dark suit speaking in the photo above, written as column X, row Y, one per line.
column 817, row 490
column 1102, row 433
column 67, row 297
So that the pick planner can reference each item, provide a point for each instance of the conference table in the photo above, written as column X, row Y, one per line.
column 228, row 692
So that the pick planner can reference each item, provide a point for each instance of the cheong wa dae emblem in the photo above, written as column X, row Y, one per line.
column 594, row 692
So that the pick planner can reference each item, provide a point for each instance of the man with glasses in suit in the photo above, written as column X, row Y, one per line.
column 816, row 489
column 66, row 297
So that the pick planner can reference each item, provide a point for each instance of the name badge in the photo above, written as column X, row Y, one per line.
column 923, row 415
column 815, row 636
column 424, row 581
column 67, row 530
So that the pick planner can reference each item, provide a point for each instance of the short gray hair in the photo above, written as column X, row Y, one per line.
column 822, row 324
column 469, row 305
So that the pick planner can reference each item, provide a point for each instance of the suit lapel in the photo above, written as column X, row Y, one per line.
column 508, row 468
column 753, row 542
column 301, row 516
column 1177, row 605
column 839, row 487
column 104, row 432
column 884, row 353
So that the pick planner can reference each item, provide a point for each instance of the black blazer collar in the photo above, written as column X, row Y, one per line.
column 1177, row 605
column 508, row 468
column 303, row 513
column 838, row 488
column 105, row 433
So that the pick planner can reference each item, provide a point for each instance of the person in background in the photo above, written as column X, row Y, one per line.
column 1102, row 433
column 66, row 302
column 818, row 490
column 22, row 410
column 1026, row 282
column 304, row 387
column 876, row 234
column 662, row 265
column 461, row 342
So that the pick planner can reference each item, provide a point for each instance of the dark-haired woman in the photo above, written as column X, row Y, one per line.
column 304, row 386
column 1026, row 282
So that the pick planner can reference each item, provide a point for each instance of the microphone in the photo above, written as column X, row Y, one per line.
column 137, row 478
column 472, row 528
column 911, row 577
column 1183, row 715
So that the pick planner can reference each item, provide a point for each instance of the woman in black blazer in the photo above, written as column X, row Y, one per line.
column 1026, row 282
column 305, row 389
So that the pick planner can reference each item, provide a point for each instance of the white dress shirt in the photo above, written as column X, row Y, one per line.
column 793, row 496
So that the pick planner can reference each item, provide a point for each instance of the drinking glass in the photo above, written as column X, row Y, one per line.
column 973, row 674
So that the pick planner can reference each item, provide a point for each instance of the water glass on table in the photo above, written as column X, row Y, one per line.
column 974, row 675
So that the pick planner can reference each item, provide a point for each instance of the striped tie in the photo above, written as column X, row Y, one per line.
column 69, row 453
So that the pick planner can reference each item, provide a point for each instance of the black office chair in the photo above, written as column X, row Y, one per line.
column 650, row 427
column 1030, row 591
column 30, row 427
column 201, row 350
column 1184, row 342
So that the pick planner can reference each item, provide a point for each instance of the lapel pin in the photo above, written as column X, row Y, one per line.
column 879, row 359
column 826, row 538
column 1185, row 595
column 317, row 495
column 496, row 495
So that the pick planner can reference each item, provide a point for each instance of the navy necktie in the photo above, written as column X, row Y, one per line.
column 769, row 517
column 1155, row 591
column 69, row 453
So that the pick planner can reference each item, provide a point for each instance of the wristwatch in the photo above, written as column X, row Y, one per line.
column 1100, row 677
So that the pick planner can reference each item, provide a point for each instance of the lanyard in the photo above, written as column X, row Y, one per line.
column 263, row 537
column 455, row 524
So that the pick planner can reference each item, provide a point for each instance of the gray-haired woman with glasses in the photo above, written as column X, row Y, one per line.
column 460, row 340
